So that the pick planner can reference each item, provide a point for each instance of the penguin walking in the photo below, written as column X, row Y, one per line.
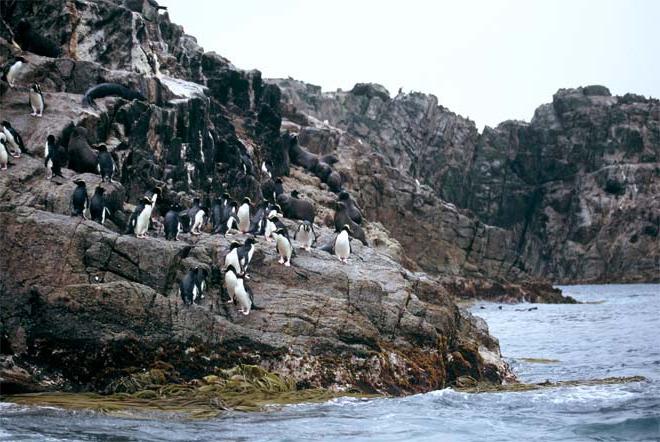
column 231, row 279
column 14, row 140
column 341, row 245
column 4, row 154
column 305, row 234
column 192, row 286
column 283, row 247
column 12, row 69
column 36, row 99
column 105, row 165
column 244, row 215
column 243, row 295
column 79, row 199
column 172, row 224
column 97, row 208
column 53, row 159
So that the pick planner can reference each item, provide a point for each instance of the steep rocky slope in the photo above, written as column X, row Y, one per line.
column 82, row 305
column 570, row 197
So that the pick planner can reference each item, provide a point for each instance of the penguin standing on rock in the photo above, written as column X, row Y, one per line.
column 341, row 245
column 12, row 69
column 105, row 165
column 305, row 234
column 245, row 253
column 172, row 223
column 139, row 221
column 231, row 279
column 97, row 208
column 192, row 286
column 197, row 216
column 14, row 140
column 54, row 158
column 36, row 100
column 79, row 199
column 231, row 258
column 4, row 154
column 243, row 295
column 283, row 247
column 244, row 215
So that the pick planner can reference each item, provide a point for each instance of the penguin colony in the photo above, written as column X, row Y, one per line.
column 226, row 216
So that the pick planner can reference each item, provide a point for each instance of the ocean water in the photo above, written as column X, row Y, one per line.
column 615, row 334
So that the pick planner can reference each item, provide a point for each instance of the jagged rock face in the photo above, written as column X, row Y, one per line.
column 81, row 304
column 573, row 191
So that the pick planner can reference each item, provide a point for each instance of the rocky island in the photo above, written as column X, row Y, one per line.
column 450, row 213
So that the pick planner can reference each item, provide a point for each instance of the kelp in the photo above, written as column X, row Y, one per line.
column 242, row 388
column 479, row 387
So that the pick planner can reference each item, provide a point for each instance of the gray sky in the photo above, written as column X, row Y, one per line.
column 486, row 60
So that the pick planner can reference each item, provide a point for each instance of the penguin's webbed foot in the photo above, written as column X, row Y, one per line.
column 281, row 261
column 287, row 264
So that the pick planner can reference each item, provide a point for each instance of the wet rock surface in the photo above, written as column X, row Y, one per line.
column 82, row 305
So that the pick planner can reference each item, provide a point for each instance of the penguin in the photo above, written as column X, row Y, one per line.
column 36, row 100
column 245, row 253
column 230, row 224
column 105, row 165
column 305, row 234
column 54, row 158
column 172, row 224
column 81, row 156
column 341, row 245
column 243, row 295
column 264, row 169
column 4, row 154
column 12, row 69
column 273, row 223
column 79, row 199
column 279, row 188
column 139, row 220
column 97, row 207
column 217, row 213
column 231, row 258
column 283, row 247
column 244, row 215
column 199, row 221
column 14, row 140
column 231, row 278
column 191, row 287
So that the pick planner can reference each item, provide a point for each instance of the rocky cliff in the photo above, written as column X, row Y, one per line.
column 82, row 305
column 569, row 197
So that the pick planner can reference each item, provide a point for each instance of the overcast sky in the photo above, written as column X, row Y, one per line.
column 486, row 60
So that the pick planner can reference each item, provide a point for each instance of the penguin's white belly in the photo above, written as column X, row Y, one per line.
column 230, row 284
column 10, row 139
column 142, row 224
column 306, row 238
column 244, row 218
column 342, row 246
column 36, row 102
column 3, row 156
column 195, row 292
column 199, row 219
column 270, row 228
column 243, row 298
column 283, row 247
column 232, row 260
column 13, row 72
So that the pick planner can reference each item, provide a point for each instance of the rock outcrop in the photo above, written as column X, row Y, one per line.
column 82, row 305
column 569, row 197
